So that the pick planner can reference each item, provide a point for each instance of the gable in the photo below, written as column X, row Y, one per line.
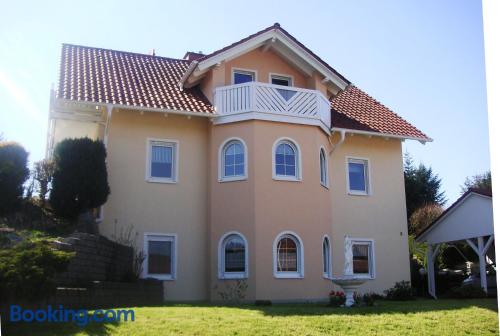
column 277, row 39
column 264, row 63
column 472, row 217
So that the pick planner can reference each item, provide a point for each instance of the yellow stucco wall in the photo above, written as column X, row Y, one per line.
column 180, row 208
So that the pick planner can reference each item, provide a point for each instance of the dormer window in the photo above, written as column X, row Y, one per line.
column 281, row 80
column 243, row 76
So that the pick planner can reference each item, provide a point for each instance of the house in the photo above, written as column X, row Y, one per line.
column 469, row 219
column 254, row 162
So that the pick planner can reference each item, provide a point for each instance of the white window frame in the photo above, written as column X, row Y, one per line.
column 222, row 257
column 298, row 161
column 175, row 157
column 300, row 255
column 368, row 185
column 328, row 274
column 242, row 70
column 169, row 237
column 325, row 183
column 222, row 147
column 281, row 76
column 371, row 256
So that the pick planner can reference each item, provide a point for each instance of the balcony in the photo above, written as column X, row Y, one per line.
column 254, row 100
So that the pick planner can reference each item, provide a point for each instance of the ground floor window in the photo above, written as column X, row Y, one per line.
column 363, row 262
column 160, row 254
column 326, row 257
column 233, row 256
column 288, row 256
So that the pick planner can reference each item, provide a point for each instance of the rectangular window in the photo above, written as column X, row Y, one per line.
column 160, row 256
column 358, row 176
column 162, row 160
column 362, row 258
column 281, row 80
column 242, row 76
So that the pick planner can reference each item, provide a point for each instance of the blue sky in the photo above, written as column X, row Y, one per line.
column 423, row 59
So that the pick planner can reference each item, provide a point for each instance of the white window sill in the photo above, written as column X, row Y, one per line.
column 325, row 186
column 358, row 193
column 363, row 276
column 288, row 275
column 230, row 276
column 286, row 178
column 160, row 180
column 160, row 277
column 326, row 276
column 232, row 179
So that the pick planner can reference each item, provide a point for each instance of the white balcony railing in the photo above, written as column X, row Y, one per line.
column 272, row 99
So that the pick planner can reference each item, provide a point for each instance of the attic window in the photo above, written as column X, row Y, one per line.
column 243, row 76
column 281, row 80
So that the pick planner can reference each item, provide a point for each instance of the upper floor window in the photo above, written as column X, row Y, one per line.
column 357, row 176
column 233, row 260
column 286, row 160
column 160, row 256
column 233, row 161
column 323, row 168
column 326, row 257
column 288, row 256
column 162, row 161
column 281, row 80
column 363, row 257
column 243, row 76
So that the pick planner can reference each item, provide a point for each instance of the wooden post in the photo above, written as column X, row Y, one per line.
column 482, row 263
column 431, row 284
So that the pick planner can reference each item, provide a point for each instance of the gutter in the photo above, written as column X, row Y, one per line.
column 384, row 135
column 188, row 73
column 145, row 109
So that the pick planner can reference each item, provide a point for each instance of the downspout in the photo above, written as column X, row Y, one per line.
column 340, row 142
column 109, row 109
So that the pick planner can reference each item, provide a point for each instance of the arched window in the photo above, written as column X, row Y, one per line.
column 233, row 259
column 233, row 160
column 288, row 256
column 326, row 257
column 323, row 168
column 286, row 159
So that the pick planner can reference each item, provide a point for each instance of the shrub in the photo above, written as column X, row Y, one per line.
column 467, row 292
column 80, row 181
column 13, row 174
column 401, row 291
column 337, row 299
column 369, row 299
column 27, row 270
column 424, row 216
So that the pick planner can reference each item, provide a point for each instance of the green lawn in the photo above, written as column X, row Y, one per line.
column 422, row 317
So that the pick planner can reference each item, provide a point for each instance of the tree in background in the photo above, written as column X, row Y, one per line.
column 13, row 174
column 479, row 181
column 80, row 181
column 423, row 217
column 43, row 172
column 422, row 186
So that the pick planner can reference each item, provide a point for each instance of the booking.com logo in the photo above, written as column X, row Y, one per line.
column 80, row 317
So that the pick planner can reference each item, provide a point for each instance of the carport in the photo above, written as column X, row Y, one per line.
column 469, row 219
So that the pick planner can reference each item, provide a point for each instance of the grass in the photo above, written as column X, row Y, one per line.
column 421, row 317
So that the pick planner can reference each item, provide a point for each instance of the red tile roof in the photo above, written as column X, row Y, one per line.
column 354, row 109
column 124, row 78
column 138, row 80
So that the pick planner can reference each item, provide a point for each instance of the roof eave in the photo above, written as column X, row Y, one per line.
column 383, row 135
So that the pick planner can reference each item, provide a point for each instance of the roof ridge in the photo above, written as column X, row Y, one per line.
column 125, row 52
